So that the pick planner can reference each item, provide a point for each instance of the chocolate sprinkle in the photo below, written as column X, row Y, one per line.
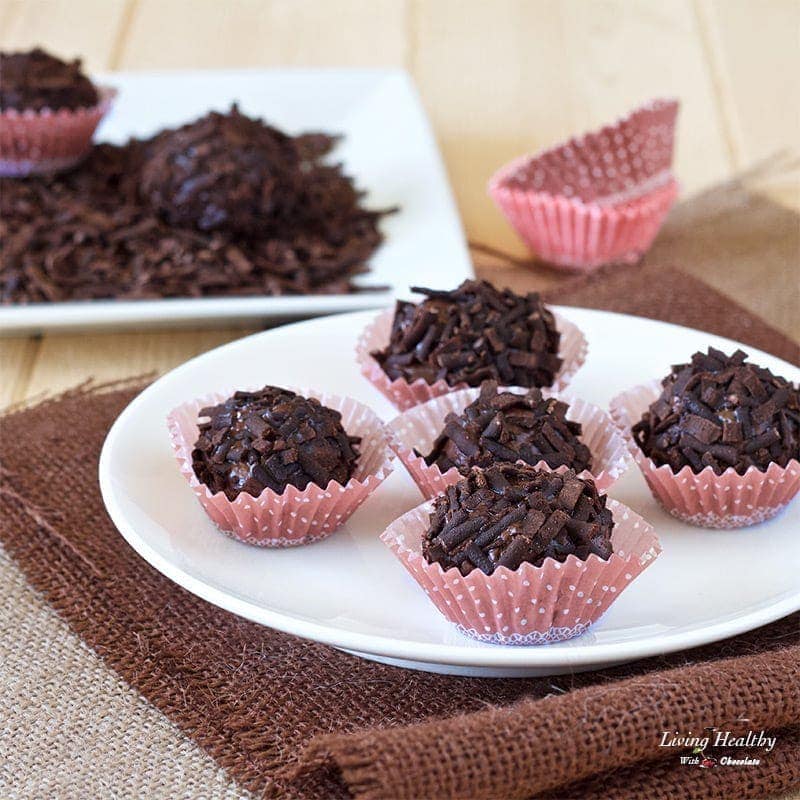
column 501, row 426
column 473, row 334
column 510, row 514
column 89, row 234
column 721, row 411
column 35, row 80
column 272, row 438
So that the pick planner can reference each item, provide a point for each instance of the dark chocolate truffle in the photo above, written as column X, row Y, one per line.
column 502, row 426
column 473, row 334
column 721, row 411
column 35, row 80
column 272, row 438
column 222, row 172
column 510, row 514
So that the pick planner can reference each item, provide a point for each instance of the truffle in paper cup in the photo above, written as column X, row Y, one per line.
column 33, row 142
column 598, row 199
column 418, row 428
column 295, row 516
column 704, row 498
column 403, row 395
column 529, row 605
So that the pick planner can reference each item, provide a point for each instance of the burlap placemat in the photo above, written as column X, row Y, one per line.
column 289, row 718
column 665, row 293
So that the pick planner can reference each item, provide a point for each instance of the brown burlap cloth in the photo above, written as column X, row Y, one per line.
column 290, row 718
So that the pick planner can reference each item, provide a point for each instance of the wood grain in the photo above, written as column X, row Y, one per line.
column 87, row 29
column 63, row 361
column 759, row 88
column 497, row 79
column 255, row 34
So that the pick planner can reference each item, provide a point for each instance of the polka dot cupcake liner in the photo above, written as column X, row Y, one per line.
column 295, row 516
column 34, row 142
column 404, row 395
column 598, row 199
column 529, row 605
column 704, row 498
column 418, row 428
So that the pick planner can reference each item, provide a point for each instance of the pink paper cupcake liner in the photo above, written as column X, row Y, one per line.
column 529, row 605
column 33, row 142
column 704, row 498
column 598, row 199
column 295, row 516
column 419, row 427
column 403, row 395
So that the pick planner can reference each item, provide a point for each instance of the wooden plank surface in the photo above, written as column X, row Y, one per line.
column 70, row 28
column 497, row 79
column 301, row 33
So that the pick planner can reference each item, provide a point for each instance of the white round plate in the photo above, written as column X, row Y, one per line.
column 350, row 592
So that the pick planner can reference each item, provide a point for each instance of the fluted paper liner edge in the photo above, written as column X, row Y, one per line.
column 704, row 498
column 33, row 142
column 418, row 428
column 295, row 516
column 530, row 605
column 573, row 348
column 570, row 233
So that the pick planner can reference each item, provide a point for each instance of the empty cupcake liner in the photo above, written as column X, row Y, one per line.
column 403, row 395
column 418, row 428
column 34, row 142
column 295, row 516
column 597, row 199
column 529, row 605
column 704, row 498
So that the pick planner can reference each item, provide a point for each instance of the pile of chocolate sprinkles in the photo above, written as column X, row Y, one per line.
column 721, row 411
column 510, row 514
column 501, row 426
column 272, row 438
column 473, row 334
column 191, row 224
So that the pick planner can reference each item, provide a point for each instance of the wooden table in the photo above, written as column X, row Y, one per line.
column 497, row 78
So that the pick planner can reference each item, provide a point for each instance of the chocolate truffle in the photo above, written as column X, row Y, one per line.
column 510, row 514
column 502, row 426
column 473, row 334
column 271, row 439
column 721, row 411
column 35, row 80
column 223, row 172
